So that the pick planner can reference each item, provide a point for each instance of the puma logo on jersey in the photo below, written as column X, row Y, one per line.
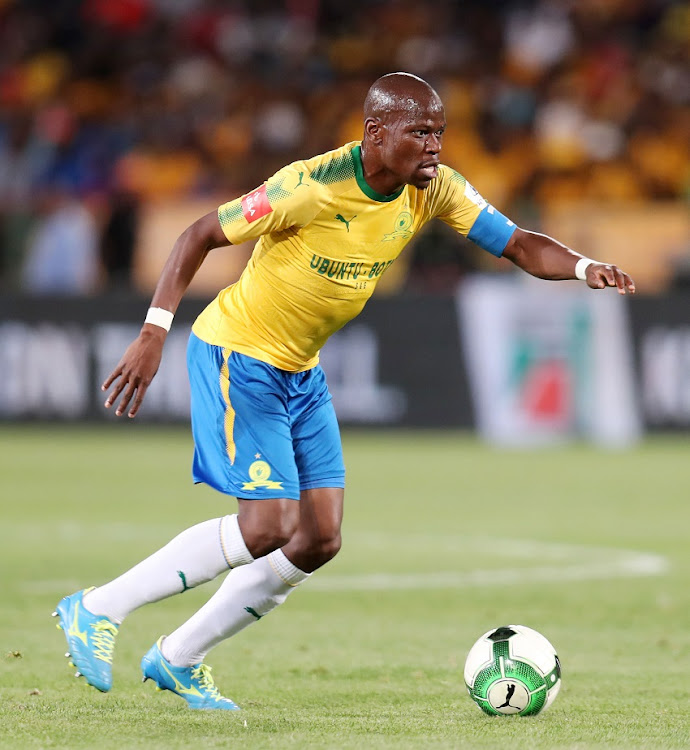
column 345, row 221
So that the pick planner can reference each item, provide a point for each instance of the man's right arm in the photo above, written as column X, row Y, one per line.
column 140, row 362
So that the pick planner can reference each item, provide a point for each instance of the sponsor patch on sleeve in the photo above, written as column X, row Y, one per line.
column 473, row 195
column 255, row 204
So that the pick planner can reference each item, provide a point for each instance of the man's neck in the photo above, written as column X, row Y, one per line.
column 376, row 175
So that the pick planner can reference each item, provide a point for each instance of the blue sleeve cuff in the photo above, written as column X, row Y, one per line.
column 491, row 231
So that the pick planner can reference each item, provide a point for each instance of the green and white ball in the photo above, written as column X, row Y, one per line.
column 513, row 670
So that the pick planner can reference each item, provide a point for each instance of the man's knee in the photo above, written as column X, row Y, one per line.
column 328, row 547
column 262, row 541
column 267, row 527
column 317, row 549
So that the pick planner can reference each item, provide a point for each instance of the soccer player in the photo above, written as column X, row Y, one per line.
column 263, row 424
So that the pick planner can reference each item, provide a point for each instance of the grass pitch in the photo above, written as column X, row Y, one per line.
column 444, row 539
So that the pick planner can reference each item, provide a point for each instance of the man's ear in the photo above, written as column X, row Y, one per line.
column 373, row 130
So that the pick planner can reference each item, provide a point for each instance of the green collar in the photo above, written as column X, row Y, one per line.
column 363, row 186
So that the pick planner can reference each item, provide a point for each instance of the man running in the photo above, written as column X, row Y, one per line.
column 264, row 427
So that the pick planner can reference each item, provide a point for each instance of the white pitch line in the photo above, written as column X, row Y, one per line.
column 633, row 565
column 69, row 531
column 629, row 565
column 559, row 562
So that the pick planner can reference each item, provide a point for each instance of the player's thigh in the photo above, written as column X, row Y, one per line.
column 316, row 436
column 267, row 524
column 241, row 427
column 321, row 513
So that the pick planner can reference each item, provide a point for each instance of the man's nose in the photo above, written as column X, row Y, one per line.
column 433, row 143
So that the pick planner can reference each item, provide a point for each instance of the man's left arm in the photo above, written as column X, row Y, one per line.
column 456, row 202
column 545, row 258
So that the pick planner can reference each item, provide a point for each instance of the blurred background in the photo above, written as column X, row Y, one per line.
column 122, row 121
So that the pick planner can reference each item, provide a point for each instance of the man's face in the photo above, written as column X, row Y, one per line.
column 411, row 144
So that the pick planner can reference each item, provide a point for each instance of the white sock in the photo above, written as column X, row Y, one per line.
column 195, row 556
column 246, row 595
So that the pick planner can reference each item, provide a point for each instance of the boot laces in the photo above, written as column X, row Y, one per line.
column 202, row 673
column 103, row 640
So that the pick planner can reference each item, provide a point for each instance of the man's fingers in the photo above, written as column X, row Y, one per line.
column 109, row 380
column 600, row 279
column 126, row 398
column 135, row 388
column 609, row 276
column 606, row 275
column 141, row 392
column 130, row 379
column 117, row 390
column 619, row 278
column 623, row 282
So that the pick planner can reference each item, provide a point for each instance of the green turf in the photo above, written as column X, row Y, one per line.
column 344, row 664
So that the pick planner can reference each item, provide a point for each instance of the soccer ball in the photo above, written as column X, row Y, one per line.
column 513, row 670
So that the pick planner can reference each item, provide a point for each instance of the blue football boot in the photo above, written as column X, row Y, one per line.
column 90, row 641
column 194, row 684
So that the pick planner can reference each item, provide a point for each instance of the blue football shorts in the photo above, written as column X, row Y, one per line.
column 260, row 432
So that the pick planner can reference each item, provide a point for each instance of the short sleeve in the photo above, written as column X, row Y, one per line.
column 283, row 201
column 460, row 206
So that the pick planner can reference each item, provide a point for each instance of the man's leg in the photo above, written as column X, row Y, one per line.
column 284, row 436
column 197, row 555
column 91, row 618
column 251, row 592
column 229, row 430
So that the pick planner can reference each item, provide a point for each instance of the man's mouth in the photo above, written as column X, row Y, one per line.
column 429, row 170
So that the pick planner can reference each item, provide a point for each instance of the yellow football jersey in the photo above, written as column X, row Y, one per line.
column 325, row 238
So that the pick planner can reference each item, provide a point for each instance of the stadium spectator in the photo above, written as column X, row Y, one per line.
column 62, row 252
column 118, row 240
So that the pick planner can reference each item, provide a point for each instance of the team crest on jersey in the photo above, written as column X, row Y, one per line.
column 255, row 205
column 403, row 224
column 259, row 473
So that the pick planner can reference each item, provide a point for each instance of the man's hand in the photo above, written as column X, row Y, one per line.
column 600, row 275
column 140, row 362
column 135, row 371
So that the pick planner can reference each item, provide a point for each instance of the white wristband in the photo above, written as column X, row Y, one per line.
column 157, row 316
column 581, row 268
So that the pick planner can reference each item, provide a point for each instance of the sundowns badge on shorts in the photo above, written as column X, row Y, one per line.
column 259, row 473
column 255, row 205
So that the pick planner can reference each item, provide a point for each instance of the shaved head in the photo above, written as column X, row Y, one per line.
column 400, row 94
column 404, row 123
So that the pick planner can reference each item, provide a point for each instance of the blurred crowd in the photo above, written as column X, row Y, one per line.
column 109, row 105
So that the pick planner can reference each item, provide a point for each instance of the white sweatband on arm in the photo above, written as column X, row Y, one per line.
column 157, row 316
column 581, row 268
